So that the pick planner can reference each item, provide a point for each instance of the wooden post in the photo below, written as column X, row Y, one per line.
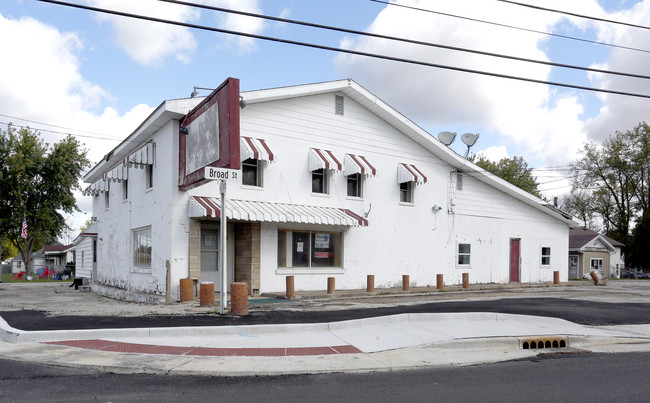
column 405, row 282
column 465, row 280
column 330, row 285
column 239, row 298
column 439, row 282
column 290, row 287
column 370, row 283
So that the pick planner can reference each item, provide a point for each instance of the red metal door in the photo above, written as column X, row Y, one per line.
column 514, row 260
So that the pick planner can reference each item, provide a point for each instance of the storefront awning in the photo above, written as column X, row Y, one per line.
column 410, row 173
column 257, row 149
column 247, row 210
column 323, row 159
column 358, row 164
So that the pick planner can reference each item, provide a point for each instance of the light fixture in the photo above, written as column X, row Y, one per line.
column 195, row 92
column 436, row 208
column 242, row 103
column 447, row 138
column 469, row 139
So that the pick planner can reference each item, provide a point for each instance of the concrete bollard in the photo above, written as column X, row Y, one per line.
column 187, row 290
column 330, row 285
column 290, row 287
column 594, row 277
column 405, row 282
column 465, row 280
column 206, row 293
column 440, row 284
column 370, row 283
column 239, row 298
column 556, row 277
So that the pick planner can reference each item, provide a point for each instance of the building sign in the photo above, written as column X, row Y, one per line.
column 209, row 136
column 321, row 241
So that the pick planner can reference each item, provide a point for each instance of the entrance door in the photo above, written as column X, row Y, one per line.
column 514, row 260
column 573, row 267
column 210, row 255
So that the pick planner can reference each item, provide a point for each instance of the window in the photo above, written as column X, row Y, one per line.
column 149, row 176
column 459, row 181
column 354, row 185
column 464, row 251
column 142, row 247
column 319, row 181
column 82, row 258
column 338, row 104
column 596, row 264
column 546, row 256
column 406, row 192
column 251, row 172
column 125, row 189
column 309, row 249
column 107, row 196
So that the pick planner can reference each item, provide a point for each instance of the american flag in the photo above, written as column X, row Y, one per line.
column 24, row 231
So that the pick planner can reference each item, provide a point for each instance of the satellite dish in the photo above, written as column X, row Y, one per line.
column 446, row 137
column 469, row 138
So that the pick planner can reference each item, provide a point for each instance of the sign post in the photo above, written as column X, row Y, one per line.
column 223, row 175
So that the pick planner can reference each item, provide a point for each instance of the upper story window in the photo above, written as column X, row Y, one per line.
column 107, row 196
column 339, row 104
column 125, row 189
column 355, row 185
column 148, row 170
column 319, row 181
column 406, row 192
column 546, row 256
column 251, row 172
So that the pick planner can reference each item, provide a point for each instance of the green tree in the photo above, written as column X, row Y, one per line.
column 617, row 175
column 37, row 182
column 8, row 249
column 514, row 170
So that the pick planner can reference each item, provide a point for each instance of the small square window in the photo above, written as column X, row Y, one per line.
column 406, row 192
column 354, row 185
column 319, row 181
column 251, row 172
column 464, row 252
column 546, row 256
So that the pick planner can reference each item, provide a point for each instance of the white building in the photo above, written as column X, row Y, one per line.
column 85, row 246
column 334, row 183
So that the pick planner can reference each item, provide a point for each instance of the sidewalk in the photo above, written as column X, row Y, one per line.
column 371, row 344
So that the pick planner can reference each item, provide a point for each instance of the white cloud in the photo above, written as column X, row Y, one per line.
column 494, row 153
column 534, row 120
column 240, row 23
column 150, row 43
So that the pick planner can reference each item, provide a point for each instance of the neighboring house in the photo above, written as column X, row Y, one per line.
column 333, row 183
column 85, row 252
column 17, row 264
column 590, row 251
column 57, row 257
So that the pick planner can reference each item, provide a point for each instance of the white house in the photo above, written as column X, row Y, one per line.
column 333, row 183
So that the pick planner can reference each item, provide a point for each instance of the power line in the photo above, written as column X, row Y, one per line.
column 552, row 10
column 58, row 132
column 573, row 38
column 51, row 125
column 400, row 39
column 342, row 50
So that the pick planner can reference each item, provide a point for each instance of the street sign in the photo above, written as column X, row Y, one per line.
column 222, row 174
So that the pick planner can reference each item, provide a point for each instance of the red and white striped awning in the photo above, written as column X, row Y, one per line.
column 142, row 156
column 323, row 159
column 248, row 210
column 358, row 164
column 257, row 149
column 410, row 173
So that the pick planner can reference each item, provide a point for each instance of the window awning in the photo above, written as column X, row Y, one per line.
column 248, row 210
column 323, row 159
column 358, row 164
column 117, row 174
column 256, row 149
column 96, row 188
column 142, row 156
column 410, row 173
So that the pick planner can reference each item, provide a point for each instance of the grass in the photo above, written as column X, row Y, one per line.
column 9, row 278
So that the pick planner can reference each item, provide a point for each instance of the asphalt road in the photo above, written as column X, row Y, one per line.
column 579, row 377
column 577, row 311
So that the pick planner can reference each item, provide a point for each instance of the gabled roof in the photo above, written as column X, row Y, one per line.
column 581, row 237
column 176, row 109
column 57, row 249
column 90, row 231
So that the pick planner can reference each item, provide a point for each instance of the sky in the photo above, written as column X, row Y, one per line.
column 98, row 76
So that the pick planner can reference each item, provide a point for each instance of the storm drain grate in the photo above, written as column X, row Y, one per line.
column 536, row 343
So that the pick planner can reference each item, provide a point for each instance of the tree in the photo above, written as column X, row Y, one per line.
column 581, row 204
column 8, row 249
column 37, row 183
column 514, row 170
